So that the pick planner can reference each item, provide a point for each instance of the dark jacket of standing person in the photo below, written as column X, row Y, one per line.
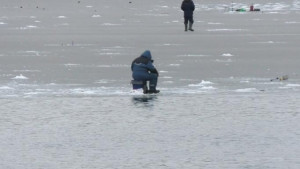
column 188, row 7
column 144, row 70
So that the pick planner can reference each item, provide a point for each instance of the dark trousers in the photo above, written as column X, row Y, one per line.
column 152, row 77
column 188, row 19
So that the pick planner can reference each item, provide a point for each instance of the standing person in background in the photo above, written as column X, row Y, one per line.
column 188, row 7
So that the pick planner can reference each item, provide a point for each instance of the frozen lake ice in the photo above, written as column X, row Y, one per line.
column 66, row 101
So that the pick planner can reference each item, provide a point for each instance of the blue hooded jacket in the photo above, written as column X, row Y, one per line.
column 142, row 66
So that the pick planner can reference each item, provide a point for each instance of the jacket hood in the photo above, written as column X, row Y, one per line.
column 147, row 54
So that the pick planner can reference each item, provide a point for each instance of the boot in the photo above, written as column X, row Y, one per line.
column 190, row 26
column 152, row 90
column 185, row 26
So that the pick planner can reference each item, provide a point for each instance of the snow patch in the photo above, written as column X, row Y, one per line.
column 214, row 23
column 224, row 61
column 166, row 77
column 167, row 82
column 5, row 88
column 175, row 65
column 21, row 77
column 28, row 27
column 293, row 85
column 71, row 64
column 110, row 24
column 227, row 55
column 246, row 90
column 208, row 88
column 193, row 55
column 96, row 16
column 224, row 30
column 61, row 17
column 201, row 84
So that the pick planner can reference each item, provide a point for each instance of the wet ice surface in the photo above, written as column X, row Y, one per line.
column 66, row 101
column 248, row 130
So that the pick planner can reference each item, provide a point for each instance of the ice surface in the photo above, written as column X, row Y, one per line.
column 152, row 131
column 66, row 99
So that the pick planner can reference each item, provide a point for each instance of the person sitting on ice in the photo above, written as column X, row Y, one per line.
column 143, row 70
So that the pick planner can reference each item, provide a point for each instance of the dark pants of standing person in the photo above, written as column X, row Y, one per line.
column 189, row 20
